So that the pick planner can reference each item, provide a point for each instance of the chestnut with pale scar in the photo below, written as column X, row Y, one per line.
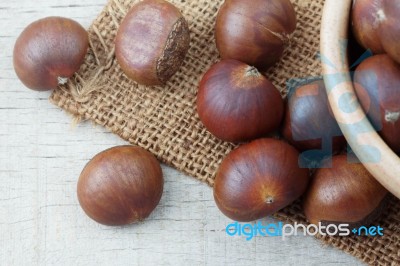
column 152, row 42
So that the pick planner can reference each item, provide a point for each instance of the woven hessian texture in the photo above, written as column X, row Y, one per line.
column 164, row 121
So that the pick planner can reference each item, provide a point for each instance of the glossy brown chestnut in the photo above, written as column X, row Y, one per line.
column 258, row 179
column 309, row 123
column 236, row 103
column 363, row 14
column 49, row 51
column 343, row 193
column 377, row 83
column 120, row 185
column 376, row 27
column 152, row 42
column 255, row 32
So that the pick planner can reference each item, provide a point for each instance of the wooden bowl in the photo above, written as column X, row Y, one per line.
column 372, row 151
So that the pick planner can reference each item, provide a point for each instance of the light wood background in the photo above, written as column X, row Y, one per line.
column 41, row 156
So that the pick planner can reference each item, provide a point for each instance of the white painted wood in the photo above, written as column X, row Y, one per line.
column 41, row 157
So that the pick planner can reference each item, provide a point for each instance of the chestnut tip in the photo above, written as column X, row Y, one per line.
column 376, row 81
column 236, row 103
column 259, row 178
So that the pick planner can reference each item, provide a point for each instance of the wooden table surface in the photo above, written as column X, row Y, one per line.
column 42, row 155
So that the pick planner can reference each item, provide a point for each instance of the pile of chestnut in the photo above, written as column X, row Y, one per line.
column 286, row 146
column 123, row 184
column 295, row 148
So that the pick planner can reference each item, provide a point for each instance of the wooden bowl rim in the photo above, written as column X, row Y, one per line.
column 365, row 142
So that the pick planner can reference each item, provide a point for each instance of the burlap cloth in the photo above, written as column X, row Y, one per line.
column 164, row 121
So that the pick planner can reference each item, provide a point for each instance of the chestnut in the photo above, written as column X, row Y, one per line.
column 49, row 51
column 236, row 103
column 152, row 42
column 254, row 32
column 343, row 193
column 309, row 123
column 376, row 27
column 120, row 185
column 377, row 83
column 365, row 20
column 259, row 178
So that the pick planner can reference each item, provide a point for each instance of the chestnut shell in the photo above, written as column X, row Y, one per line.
column 377, row 85
column 363, row 15
column 259, row 178
column 152, row 42
column 309, row 121
column 343, row 193
column 120, row 185
column 236, row 103
column 376, row 26
column 48, row 51
column 254, row 32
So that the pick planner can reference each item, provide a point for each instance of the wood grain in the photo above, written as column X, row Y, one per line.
column 41, row 156
column 366, row 143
